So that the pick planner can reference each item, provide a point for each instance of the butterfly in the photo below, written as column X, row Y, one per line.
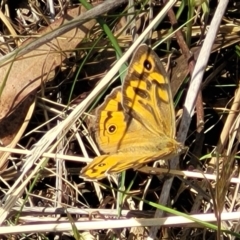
column 136, row 122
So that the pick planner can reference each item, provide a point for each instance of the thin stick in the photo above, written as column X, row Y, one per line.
column 200, row 69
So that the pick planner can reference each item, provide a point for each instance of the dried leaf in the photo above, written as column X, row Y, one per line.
column 28, row 73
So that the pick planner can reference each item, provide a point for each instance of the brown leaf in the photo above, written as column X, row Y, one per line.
column 29, row 71
column 26, row 75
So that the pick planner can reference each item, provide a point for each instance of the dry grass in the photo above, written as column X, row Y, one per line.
column 41, row 193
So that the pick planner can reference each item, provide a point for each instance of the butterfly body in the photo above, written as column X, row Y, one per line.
column 136, row 122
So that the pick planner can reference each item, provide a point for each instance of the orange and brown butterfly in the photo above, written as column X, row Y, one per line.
column 136, row 122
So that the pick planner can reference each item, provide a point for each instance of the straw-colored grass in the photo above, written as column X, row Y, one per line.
column 196, row 196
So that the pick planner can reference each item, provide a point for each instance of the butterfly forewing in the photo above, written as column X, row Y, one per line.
column 114, row 126
column 147, row 94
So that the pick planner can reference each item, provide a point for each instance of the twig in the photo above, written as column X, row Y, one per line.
column 199, row 70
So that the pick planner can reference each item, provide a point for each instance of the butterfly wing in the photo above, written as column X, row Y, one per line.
column 114, row 129
column 135, row 124
column 120, row 161
column 147, row 95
